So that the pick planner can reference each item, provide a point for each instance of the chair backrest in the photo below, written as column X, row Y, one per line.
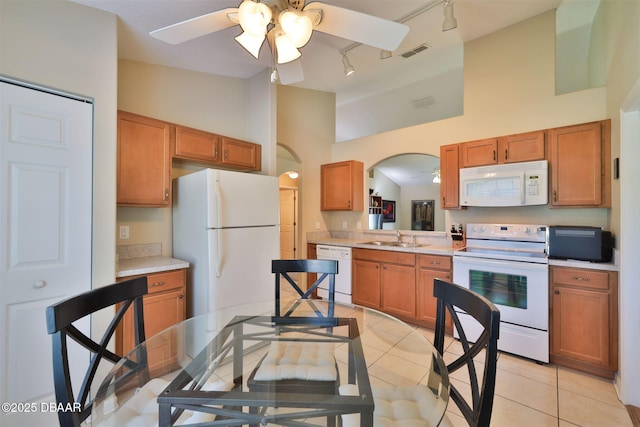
column 451, row 296
column 326, row 269
column 60, row 318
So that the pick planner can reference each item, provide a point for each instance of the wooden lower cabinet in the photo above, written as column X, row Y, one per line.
column 399, row 289
column 366, row 283
column 431, row 267
column 164, row 306
column 399, row 283
column 385, row 280
column 584, row 319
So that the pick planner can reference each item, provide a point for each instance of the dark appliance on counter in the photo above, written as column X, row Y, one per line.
column 579, row 242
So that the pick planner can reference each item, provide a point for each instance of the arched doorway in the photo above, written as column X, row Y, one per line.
column 287, row 167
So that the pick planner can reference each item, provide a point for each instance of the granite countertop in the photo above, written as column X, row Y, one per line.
column 134, row 260
column 607, row 266
column 438, row 247
column 434, row 246
column 146, row 265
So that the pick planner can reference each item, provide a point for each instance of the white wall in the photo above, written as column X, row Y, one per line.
column 622, row 40
column 509, row 87
column 306, row 127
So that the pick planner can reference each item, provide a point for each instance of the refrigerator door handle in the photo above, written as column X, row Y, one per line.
column 218, row 253
column 218, row 234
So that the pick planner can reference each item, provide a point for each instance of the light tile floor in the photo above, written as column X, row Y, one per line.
column 538, row 395
column 528, row 393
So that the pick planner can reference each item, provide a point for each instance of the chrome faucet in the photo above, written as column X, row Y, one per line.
column 399, row 236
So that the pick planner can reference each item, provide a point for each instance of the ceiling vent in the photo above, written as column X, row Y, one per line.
column 410, row 53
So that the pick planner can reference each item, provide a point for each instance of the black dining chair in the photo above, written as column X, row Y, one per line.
column 451, row 299
column 291, row 366
column 326, row 270
column 416, row 399
column 60, row 325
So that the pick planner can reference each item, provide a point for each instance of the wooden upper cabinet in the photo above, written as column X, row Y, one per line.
column 450, row 176
column 479, row 153
column 194, row 144
column 579, row 165
column 144, row 161
column 523, row 147
column 241, row 154
column 342, row 186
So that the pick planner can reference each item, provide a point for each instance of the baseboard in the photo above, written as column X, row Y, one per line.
column 634, row 413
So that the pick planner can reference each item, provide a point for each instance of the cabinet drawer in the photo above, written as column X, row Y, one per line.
column 402, row 258
column 160, row 282
column 593, row 279
column 435, row 262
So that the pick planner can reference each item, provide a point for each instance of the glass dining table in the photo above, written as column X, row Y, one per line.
column 199, row 371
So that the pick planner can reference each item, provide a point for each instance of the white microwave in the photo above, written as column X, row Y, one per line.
column 512, row 184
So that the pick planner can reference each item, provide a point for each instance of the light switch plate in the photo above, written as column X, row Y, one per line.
column 124, row 232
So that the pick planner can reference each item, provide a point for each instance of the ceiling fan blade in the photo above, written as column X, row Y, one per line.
column 360, row 27
column 291, row 72
column 195, row 27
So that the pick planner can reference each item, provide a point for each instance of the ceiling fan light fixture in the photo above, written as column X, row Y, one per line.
column 287, row 52
column 254, row 17
column 450, row 21
column 348, row 68
column 297, row 26
column 251, row 43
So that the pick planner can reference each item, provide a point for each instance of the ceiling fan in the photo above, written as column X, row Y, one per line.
column 287, row 25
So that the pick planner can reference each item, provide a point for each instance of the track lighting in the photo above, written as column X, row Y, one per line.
column 449, row 23
column 385, row 54
column 449, row 20
column 348, row 68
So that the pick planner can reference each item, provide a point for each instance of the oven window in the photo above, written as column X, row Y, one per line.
column 500, row 288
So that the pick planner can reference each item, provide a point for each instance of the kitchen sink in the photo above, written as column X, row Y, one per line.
column 398, row 244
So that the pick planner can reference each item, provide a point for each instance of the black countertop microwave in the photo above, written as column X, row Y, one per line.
column 579, row 243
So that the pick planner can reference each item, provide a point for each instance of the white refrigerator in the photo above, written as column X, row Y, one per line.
column 226, row 224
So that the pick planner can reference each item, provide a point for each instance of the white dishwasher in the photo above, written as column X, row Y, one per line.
column 343, row 278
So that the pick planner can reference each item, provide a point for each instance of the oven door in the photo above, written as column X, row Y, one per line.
column 520, row 290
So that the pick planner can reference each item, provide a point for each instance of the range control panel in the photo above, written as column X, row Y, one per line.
column 519, row 232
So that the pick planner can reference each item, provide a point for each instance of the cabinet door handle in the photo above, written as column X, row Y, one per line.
column 225, row 153
column 506, row 154
column 435, row 262
column 557, row 292
column 181, row 296
column 156, row 284
column 166, row 194
column 580, row 279
column 555, row 196
column 494, row 155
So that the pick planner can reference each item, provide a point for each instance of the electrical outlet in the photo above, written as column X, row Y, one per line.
column 359, row 225
column 124, row 232
column 344, row 225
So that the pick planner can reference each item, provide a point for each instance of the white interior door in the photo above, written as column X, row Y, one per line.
column 45, row 235
column 288, row 222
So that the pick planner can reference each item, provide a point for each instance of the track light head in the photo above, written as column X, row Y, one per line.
column 450, row 21
column 348, row 68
